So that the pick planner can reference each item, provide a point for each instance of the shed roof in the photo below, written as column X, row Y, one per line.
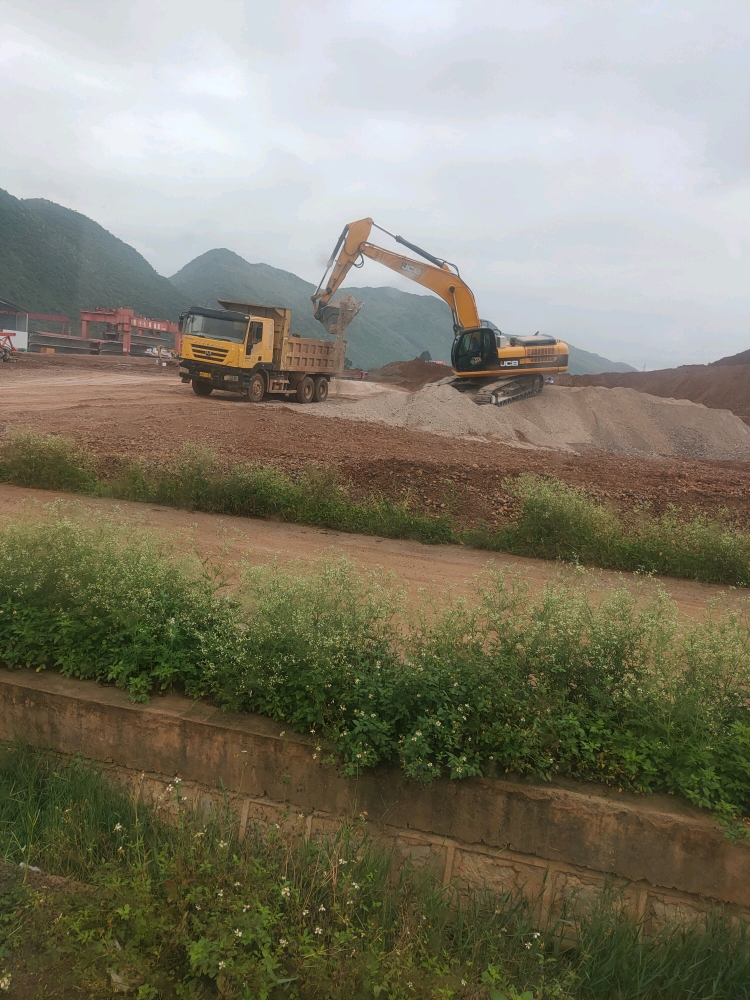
column 11, row 307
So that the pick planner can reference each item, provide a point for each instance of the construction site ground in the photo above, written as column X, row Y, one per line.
column 133, row 408
column 427, row 573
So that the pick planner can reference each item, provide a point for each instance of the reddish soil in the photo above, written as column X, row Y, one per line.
column 410, row 374
column 722, row 386
column 743, row 358
column 135, row 409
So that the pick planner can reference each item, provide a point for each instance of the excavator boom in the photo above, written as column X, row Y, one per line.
column 353, row 245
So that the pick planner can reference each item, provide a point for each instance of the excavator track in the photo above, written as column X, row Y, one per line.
column 500, row 392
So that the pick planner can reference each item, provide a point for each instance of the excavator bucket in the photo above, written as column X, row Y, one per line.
column 337, row 316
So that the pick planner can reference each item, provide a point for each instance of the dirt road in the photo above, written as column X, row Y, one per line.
column 130, row 407
column 442, row 571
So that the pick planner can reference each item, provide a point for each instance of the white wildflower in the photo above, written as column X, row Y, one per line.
column 119, row 827
column 237, row 932
column 283, row 942
column 318, row 930
column 286, row 892
column 223, row 843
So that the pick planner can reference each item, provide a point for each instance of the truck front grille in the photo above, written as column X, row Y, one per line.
column 215, row 354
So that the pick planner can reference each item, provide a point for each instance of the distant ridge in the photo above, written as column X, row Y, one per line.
column 743, row 358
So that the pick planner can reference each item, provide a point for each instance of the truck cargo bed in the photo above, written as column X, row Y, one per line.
column 306, row 354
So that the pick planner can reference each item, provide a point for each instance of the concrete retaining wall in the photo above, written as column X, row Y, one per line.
column 671, row 861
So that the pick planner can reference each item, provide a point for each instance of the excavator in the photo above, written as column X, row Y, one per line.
column 487, row 364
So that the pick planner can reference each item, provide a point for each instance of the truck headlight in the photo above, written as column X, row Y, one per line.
column 184, row 371
column 231, row 378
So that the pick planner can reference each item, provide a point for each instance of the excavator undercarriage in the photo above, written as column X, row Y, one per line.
column 497, row 392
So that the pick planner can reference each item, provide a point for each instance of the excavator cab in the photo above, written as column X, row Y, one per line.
column 474, row 350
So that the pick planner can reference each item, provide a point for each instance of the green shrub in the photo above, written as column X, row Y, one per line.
column 558, row 521
column 88, row 603
column 46, row 462
column 614, row 690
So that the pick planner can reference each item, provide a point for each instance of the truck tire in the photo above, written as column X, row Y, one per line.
column 305, row 390
column 257, row 388
column 321, row 390
column 202, row 388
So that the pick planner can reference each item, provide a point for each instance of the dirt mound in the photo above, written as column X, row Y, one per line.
column 619, row 421
column 723, row 386
column 743, row 358
column 410, row 374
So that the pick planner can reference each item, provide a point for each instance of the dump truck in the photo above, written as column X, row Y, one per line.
column 249, row 349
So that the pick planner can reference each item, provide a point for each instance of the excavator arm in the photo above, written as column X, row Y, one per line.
column 353, row 246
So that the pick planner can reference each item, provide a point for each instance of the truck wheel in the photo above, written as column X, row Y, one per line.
column 305, row 390
column 257, row 388
column 321, row 390
column 202, row 388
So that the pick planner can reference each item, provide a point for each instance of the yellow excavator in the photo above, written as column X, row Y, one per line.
column 492, row 367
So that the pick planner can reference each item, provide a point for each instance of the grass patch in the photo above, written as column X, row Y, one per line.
column 184, row 909
column 557, row 521
column 617, row 691
column 553, row 521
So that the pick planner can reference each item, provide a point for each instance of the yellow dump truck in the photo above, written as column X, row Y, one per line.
column 250, row 349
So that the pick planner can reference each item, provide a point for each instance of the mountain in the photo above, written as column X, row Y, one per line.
column 585, row 363
column 392, row 326
column 54, row 260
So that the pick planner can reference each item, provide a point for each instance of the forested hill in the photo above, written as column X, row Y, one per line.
column 54, row 260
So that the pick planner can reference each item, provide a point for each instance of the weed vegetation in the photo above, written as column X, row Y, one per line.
column 619, row 691
column 557, row 521
column 184, row 909
column 553, row 520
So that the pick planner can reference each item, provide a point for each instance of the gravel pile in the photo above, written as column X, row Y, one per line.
column 619, row 421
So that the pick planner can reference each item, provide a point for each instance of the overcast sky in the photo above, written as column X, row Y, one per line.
column 586, row 163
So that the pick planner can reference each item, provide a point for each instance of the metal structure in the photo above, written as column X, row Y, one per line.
column 63, row 322
column 123, row 323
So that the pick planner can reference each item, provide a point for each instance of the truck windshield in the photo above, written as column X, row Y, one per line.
column 216, row 328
